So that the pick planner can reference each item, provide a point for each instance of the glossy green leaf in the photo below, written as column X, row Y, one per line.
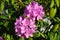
column 52, row 3
column 8, row 37
column 53, row 12
column 57, row 3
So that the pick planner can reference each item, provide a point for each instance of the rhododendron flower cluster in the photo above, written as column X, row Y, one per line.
column 34, row 11
column 25, row 26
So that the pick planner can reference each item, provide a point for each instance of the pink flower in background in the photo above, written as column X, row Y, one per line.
column 1, row 38
column 25, row 27
column 34, row 11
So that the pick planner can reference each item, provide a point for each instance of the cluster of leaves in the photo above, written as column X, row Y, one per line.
column 12, row 9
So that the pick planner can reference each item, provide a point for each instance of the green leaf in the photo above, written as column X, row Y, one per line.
column 37, row 34
column 52, row 12
column 7, row 1
column 15, row 6
column 52, row 3
column 51, row 35
column 20, row 0
column 21, row 38
column 3, row 17
column 58, row 35
column 11, row 37
column 42, row 35
column 1, row 23
column 2, row 6
column 57, row 3
column 30, row 0
column 5, row 36
column 6, row 23
column 54, row 19
column 8, row 37
column 9, row 16
column 7, row 11
column 56, row 27
column 30, row 38
column 41, row 23
column 55, row 37
column 13, row 1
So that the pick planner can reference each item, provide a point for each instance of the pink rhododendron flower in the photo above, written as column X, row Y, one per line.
column 25, row 27
column 1, row 38
column 34, row 11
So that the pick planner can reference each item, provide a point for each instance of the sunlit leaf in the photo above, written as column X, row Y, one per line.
column 52, row 3
column 7, row 1
column 13, row 1
column 20, row 0
column 53, row 12
column 1, row 6
column 56, row 27
column 8, row 37
column 57, row 3
column 55, row 37
column 7, row 11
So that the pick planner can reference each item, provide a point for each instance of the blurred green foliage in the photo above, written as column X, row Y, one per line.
column 12, row 9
